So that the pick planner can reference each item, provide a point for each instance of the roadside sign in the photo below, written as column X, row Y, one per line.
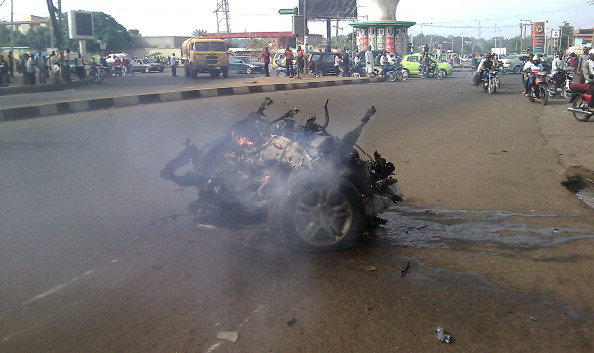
column 555, row 34
column 287, row 12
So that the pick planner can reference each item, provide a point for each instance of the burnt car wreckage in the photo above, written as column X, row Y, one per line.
column 315, row 190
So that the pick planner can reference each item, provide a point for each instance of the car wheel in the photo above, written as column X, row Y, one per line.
column 517, row 69
column 356, row 74
column 319, row 212
column 147, row 70
column 248, row 70
column 441, row 74
column 405, row 74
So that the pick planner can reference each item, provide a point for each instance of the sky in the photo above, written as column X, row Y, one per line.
column 471, row 18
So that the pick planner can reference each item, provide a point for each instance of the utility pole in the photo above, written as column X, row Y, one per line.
column 223, row 7
column 12, row 27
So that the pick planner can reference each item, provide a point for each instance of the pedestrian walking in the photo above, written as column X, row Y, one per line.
column 300, row 59
column 173, row 64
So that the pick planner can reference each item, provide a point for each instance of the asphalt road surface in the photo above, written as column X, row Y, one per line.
column 98, row 254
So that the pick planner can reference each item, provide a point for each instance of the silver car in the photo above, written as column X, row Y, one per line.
column 513, row 63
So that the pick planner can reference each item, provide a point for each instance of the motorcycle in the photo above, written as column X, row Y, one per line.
column 432, row 72
column 581, row 96
column 282, row 71
column 553, row 91
column 98, row 74
column 491, row 81
column 539, row 89
column 315, row 191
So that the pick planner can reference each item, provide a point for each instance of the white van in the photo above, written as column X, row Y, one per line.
column 111, row 57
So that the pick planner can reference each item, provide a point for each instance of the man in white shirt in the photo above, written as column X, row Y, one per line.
column 558, row 71
column 369, row 60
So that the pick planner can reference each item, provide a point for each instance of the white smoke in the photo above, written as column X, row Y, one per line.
column 382, row 10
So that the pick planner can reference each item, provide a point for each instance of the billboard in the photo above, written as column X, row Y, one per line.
column 80, row 25
column 538, row 38
column 333, row 9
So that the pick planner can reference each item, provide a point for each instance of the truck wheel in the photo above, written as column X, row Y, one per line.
column 226, row 72
column 186, row 70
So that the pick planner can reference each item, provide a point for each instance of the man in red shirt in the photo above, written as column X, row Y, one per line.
column 289, row 61
column 300, row 57
column 266, row 56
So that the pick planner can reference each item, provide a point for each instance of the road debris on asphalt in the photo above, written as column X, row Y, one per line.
column 442, row 336
column 228, row 336
column 370, row 268
column 405, row 269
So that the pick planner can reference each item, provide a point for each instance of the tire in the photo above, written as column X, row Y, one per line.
column 319, row 212
column 391, row 76
column 355, row 74
column 566, row 93
column 405, row 74
column 187, row 70
column 491, row 87
column 544, row 94
column 320, row 73
column 485, row 86
column 399, row 76
column 517, row 69
column 147, row 70
column 497, row 83
column 440, row 74
column 225, row 73
column 581, row 104
column 248, row 70
column 280, row 73
column 504, row 71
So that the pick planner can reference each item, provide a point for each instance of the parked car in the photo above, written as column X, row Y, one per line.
column 411, row 63
column 514, row 63
column 146, row 65
column 322, row 63
column 245, row 65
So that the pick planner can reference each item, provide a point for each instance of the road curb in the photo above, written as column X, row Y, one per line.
column 42, row 110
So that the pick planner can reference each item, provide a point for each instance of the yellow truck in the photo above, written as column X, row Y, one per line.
column 205, row 55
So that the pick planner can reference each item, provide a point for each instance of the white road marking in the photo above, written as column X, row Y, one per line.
column 57, row 288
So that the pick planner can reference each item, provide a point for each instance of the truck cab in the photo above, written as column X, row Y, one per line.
column 205, row 55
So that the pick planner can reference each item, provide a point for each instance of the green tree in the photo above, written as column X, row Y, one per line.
column 198, row 32
column 566, row 34
column 38, row 39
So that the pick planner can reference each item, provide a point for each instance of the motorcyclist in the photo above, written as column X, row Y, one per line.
column 558, row 71
column 588, row 71
column 485, row 66
column 534, row 68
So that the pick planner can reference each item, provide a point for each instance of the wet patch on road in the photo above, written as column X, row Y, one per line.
column 436, row 227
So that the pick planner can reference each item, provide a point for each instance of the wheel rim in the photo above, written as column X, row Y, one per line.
column 248, row 70
column 323, row 217
column 582, row 104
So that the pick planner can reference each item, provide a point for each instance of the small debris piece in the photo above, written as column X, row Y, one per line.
column 405, row 269
column 228, row 336
column 370, row 268
column 291, row 322
column 442, row 336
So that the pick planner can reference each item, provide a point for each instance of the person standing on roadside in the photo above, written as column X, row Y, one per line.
column 54, row 66
column 10, row 66
column 580, row 66
column 4, row 73
column 369, row 60
column 40, row 68
column 266, row 56
column 30, row 70
column 289, row 61
column 300, row 59
column 173, row 64
column 588, row 72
